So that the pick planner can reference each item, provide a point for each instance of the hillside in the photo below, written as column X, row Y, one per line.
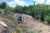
column 35, row 25
column 29, row 24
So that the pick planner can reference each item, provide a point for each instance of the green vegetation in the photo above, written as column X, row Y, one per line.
column 47, row 19
column 39, row 11
column 11, row 24
column 8, row 10
column 3, row 5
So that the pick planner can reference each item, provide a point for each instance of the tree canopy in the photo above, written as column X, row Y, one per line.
column 3, row 5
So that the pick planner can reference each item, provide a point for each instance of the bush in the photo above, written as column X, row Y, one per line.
column 47, row 19
column 37, row 16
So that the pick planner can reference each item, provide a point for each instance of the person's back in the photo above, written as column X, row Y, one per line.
column 19, row 19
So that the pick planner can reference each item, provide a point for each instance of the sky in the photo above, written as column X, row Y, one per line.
column 13, row 3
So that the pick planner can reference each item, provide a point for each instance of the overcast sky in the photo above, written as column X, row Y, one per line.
column 13, row 3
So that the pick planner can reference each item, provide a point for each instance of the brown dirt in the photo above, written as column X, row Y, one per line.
column 36, row 25
column 1, row 27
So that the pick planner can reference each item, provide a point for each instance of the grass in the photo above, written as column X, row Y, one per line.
column 20, row 30
column 11, row 24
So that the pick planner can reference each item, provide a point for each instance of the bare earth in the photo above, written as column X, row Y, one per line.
column 35, row 25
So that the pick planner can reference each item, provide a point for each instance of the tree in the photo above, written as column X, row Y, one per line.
column 8, row 10
column 3, row 5
column 39, row 11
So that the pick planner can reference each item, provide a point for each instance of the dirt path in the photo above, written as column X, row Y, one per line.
column 35, row 25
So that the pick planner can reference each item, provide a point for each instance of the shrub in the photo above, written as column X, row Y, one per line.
column 37, row 16
column 47, row 19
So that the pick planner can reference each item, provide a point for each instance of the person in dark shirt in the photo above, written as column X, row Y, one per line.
column 19, row 19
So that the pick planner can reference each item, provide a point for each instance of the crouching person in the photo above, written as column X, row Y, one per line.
column 19, row 18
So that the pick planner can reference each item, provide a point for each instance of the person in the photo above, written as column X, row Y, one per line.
column 5, row 30
column 5, row 26
column 19, row 19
